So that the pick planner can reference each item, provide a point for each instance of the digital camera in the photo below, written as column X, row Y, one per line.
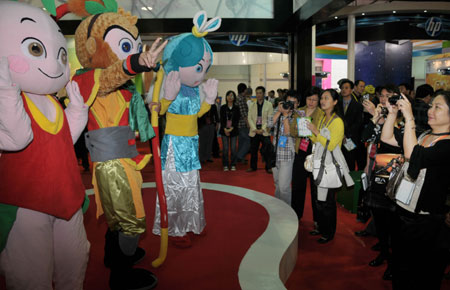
column 393, row 100
column 288, row 105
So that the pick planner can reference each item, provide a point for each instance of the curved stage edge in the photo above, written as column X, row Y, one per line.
column 272, row 257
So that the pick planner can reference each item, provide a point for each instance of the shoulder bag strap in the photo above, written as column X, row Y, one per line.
column 338, row 168
column 278, row 133
column 322, row 165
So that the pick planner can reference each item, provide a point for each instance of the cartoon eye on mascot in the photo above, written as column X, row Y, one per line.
column 109, row 48
column 43, row 240
column 186, row 60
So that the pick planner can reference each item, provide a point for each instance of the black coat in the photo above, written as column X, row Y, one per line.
column 227, row 114
column 353, row 120
column 210, row 117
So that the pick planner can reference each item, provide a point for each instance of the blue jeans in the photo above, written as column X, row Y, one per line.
column 228, row 142
column 244, row 143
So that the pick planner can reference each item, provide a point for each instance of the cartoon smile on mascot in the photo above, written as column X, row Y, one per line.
column 41, row 221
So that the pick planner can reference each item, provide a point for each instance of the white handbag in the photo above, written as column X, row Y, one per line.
column 327, row 175
column 309, row 160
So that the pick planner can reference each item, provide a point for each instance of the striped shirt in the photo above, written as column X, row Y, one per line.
column 286, row 153
column 243, row 110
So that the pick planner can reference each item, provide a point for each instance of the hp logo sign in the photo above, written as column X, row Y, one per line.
column 433, row 26
column 239, row 39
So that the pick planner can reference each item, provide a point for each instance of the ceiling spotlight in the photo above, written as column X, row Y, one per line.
column 425, row 11
column 148, row 8
column 335, row 17
column 363, row 14
column 394, row 11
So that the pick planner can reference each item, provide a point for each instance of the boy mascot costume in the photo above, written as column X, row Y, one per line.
column 109, row 48
column 186, row 60
column 41, row 191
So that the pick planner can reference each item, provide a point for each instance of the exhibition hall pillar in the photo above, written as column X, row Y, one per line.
column 351, row 47
column 300, row 58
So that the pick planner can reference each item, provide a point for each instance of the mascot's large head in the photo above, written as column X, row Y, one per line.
column 106, row 35
column 35, row 48
column 190, row 53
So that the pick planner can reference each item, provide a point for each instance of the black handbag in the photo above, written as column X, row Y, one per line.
column 273, row 151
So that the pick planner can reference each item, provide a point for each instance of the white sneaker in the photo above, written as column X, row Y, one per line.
column 225, row 168
column 233, row 168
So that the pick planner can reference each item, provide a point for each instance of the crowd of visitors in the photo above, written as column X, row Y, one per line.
column 368, row 129
column 357, row 127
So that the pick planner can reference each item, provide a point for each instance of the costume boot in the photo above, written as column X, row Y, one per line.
column 109, row 241
column 123, row 276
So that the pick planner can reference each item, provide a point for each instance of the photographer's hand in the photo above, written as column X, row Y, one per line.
column 393, row 109
column 387, row 134
column 312, row 128
column 369, row 106
column 406, row 109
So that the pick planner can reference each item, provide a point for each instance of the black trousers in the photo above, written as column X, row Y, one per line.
column 255, row 143
column 215, row 146
column 361, row 155
column 299, row 183
column 384, row 220
column 420, row 255
column 350, row 158
column 326, row 213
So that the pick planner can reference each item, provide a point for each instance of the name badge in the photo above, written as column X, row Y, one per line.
column 259, row 120
column 282, row 141
column 349, row 144
column 304, row 143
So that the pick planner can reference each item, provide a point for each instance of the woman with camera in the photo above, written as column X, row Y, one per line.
column 284, row 144
column 378, row 155
column 303, row 147
column 422, row 239
column 330, row 131
column 229, row 120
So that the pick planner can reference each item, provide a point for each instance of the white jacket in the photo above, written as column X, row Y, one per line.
column 318, row 151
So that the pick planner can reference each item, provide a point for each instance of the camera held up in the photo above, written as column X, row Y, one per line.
column 288, row 105
column 393, row 100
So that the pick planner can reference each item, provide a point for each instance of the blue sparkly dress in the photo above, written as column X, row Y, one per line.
column 180, row 165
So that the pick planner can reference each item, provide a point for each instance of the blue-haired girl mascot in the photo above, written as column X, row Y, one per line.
column 186, row 60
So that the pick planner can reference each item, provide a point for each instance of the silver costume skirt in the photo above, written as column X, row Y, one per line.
column 184, row 200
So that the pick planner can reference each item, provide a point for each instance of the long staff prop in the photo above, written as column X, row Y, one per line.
column 158, row 173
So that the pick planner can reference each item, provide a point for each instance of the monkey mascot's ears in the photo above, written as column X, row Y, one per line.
column 91, row 46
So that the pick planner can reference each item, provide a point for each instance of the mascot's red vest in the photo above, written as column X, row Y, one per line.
column 44, row 176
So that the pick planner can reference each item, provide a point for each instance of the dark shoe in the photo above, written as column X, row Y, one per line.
column 387, row 274
column 376, row 247
column 132, row 279
column 123, row 275
column 362, row 233
column 378, row 261
column 314, row 233
column 269, row 171
column 323, row 240
column 136, row 258
column 250, row 170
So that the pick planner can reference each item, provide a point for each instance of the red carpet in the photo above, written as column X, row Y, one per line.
column 213, row 260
